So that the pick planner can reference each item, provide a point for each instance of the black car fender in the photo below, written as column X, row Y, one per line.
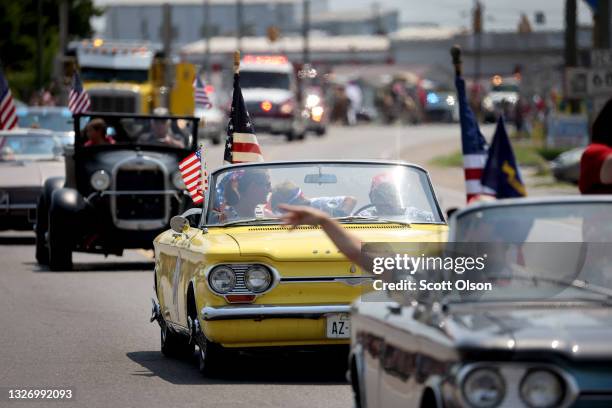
column 66, row 202
column 51, row 184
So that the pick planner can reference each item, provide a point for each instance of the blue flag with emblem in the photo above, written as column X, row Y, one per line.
column 501, row 173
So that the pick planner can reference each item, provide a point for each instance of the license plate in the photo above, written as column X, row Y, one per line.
column 338, row 326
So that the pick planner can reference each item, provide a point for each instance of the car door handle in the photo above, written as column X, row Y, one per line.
column 394, row 309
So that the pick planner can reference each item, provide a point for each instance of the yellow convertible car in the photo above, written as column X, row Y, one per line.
column 232, row 276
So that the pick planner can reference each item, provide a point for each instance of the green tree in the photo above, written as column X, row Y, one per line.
column 18, row 38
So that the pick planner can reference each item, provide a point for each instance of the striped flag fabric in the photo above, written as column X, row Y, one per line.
column 241, row 145
column 200, row 95
column 8, row 115
column 194, row 176
column 78, row 99
column 473, row 145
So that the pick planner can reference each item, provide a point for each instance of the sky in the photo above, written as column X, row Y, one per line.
column 499, row 14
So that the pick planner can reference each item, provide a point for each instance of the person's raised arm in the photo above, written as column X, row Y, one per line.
column 346, row 242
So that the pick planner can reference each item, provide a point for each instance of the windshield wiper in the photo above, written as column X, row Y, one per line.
column 370, row 218
column 249, row 221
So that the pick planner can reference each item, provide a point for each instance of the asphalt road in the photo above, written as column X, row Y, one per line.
column 88, row 330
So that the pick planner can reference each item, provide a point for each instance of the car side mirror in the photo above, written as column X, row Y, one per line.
column 178, row 223
column 450, row 211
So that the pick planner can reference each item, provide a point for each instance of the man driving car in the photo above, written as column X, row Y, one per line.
column 161, row 132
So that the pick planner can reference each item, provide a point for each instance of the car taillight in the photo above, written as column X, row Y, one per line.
column 266, row 106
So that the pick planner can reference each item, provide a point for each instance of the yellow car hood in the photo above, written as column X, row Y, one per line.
column 312, row 244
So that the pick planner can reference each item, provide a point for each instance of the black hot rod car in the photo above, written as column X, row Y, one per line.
column 121, row 188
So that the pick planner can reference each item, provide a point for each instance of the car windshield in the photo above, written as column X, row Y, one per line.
column 29, row 147
column 538, row 251
column 58, row 121
column 351, row 192
column 153, row 131
column 110, row 75
column 505, row 88
column 264, row 79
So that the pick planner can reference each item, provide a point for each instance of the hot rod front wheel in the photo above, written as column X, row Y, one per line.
column 42, row 253
column 60, row 253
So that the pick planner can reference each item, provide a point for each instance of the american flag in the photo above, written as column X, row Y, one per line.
column 195, row 176
column 78, row 100
column 473, row 144
column 8, row 116
column 241, row 144
column 200, row 94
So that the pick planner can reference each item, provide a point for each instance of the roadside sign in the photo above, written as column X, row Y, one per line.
column 585, row 82
column 567, row 130
column 601, row 58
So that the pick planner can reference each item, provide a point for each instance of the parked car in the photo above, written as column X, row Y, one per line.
column 441, row 106
column 27, row 158
column 538, row 338
column 118, row 194
column 55, row 118
column 240, row 280
column 566, row 167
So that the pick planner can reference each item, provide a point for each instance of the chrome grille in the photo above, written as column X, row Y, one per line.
column 240, row 288
column 139, row 201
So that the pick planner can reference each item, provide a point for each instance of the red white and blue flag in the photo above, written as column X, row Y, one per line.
column 195, row 176
column 200, row 95
column 8, row 115
column 241, row 145
column 78, row 99
column 473, row 145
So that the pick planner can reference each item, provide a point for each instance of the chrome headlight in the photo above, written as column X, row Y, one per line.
column 177, row 180
column 542, row 389
column 222, row 279
column 100, row 180
column 484, row 388
column 257, row 278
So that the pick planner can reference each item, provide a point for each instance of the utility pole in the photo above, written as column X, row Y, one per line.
column 206, row 33
column 477, row 29
column 239, row 21
column 571, row 48
column 60, row 73
column 39, row 46
column 306, row 32
column 601, row 32
column 167, row 44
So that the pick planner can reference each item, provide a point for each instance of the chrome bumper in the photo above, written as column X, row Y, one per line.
column 258, row 312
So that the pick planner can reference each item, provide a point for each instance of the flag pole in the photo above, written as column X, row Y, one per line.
column 236, row 62
column 456, row 54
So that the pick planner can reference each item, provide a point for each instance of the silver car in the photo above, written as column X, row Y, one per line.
column 58, row 119
column 539, row 337
column 27, row 158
